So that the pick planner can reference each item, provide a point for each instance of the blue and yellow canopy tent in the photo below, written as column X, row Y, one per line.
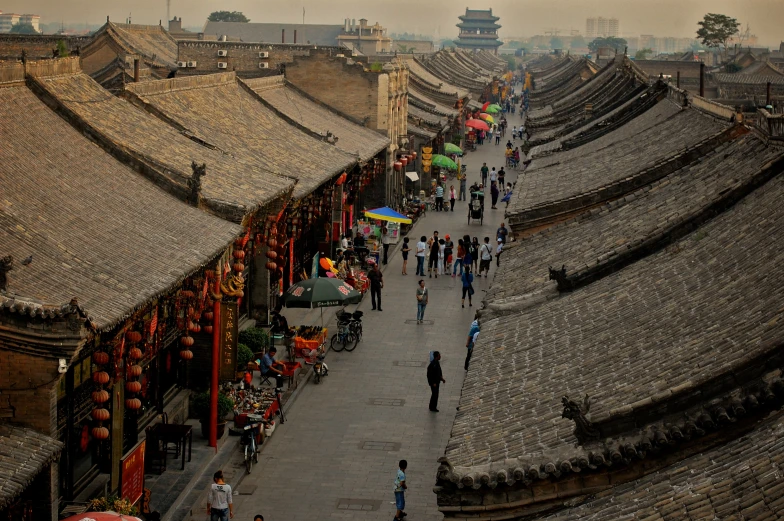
column 387, row 214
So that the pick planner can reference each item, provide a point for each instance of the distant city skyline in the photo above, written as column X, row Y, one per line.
column 666, row 17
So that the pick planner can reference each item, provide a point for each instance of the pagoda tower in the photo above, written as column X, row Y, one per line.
column 478, row 30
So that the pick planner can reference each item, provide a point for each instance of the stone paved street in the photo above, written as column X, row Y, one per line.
column 336, row 455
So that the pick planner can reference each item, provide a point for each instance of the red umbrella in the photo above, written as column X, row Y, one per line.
column 102, row 516
column 477, row 124
column 487, row 104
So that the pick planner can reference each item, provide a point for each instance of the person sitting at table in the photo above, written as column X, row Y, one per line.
column 360, row 247
column 280, row 325
column 268, row 366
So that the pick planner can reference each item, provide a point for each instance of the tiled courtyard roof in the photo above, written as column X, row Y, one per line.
column 596, row 172
column 428, row 118
column 421, row 99
column 149, row 41
column 24, row 453
column 100, row 231
column 660, row 328
column 232, row 187
column 739, row 480
column 425, row 78
column 352, row 138
column 218, row 110
column 746, row 79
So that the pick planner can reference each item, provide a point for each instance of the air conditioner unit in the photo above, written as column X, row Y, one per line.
column 263, row 55
column 223, row 53
column 341, row 55
column 191, row 64
column 223, row 65
column 264, row 65
column 182, row 64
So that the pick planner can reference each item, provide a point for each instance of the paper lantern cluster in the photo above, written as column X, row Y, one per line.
column 132, row 386
column 100, row 396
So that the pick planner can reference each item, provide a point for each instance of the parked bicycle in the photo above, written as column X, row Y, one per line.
column 250, row 434
column 345, row 337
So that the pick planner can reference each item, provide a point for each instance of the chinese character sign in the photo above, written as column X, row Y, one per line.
column 132, row 473
column 228, row 340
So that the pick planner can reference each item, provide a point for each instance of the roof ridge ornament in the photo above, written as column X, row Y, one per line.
column 584, row 430
column 6, row 265
column 194, row 182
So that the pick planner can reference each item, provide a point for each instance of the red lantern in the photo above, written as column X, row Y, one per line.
column 135, row 371
column 239, row 254
column 414, row 155
column 208, row 315
column 133, row 404
column 238, row 267
column 100, row 433
column 134, row 336
column 135, row 353
column 186, row 294
column 101, row 377
column 100, row 414
column 100, row 396
column 100, row 358
column 404, row 160
column 272, row 254
column 192, row 326
column 186, row 354
column 271, row 266
column 272, row 243
column 208, row 329
column 133, row 387
column 187, row 341
column 398, row 165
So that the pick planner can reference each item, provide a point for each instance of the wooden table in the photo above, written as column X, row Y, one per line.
column 173, row 433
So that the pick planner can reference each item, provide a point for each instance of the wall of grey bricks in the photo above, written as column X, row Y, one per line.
column 240, row 57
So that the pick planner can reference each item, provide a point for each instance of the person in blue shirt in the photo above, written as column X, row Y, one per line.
column 473, row 334
column 400, row 490
column 468, row 289
column 269, row 366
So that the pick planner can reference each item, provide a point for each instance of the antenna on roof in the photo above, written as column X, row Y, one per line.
column 168, row 10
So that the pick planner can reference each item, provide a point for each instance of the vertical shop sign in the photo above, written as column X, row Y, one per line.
column 291, row 261
column 132, row 473
column 228, row 340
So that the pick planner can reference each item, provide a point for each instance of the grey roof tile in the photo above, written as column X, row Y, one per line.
column 24, row 453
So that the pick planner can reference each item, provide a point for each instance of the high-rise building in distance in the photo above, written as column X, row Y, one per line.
column 602, row 27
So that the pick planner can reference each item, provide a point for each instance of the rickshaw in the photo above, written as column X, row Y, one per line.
column 476, row 208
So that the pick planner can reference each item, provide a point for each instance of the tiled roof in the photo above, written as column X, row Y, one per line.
column 661, row 133
column 746, row 79
column 669, row 322
column 314, row 34
column 352, row 138
column 602, row 236
column 418, row 70
column 24, row 453
column 739, row 480
column 218, row 110
column 238, row 181
column 97, row 230
column 422, row 99
column 419, row 131
column 426, row 117
column 150, row 41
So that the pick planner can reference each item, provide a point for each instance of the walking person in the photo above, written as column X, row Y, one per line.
column 463, row 181
column 219, row 500
column 459, row 260
column 501, row 176
column 449, row 248
column 484, row 170
column 473, row 335
column 452, row 197
column 405, row 251
column 498, row 251
column 400, row 490
column 493, row 177
column 494, row 195
column 422, row 297
column 485, row 256
column 498, row 138
column 475, row 252
column 434, row 379
column 376, row 279
column 439, row 197
column 385, row 241
column 432, row 263
column 421, row 249
column 468, row 288
column 441, row 257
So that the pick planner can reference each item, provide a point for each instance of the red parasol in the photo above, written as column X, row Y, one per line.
column 102, row 516
column 487, row 104
column 477, row 124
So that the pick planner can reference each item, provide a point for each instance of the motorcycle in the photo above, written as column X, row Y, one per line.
column 320, row 369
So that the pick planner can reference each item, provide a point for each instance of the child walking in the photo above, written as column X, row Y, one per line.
column 400, row 490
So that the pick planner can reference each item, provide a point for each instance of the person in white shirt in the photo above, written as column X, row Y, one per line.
column 485, row 256
column 498, row 251
column 385, row 241
column 219, row 500
column 493, row 177
column 421, row 248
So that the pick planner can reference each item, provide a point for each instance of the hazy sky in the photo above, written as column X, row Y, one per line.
column 518, row 17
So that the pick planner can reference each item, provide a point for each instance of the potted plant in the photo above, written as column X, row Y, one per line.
column 201, row 409
column 255, row 338
column 112, row 504
column 244, row 356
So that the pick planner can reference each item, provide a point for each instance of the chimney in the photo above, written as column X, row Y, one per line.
column 678, row 79
column 283, row 36
column 136, row 70
column 295, row 36
column 702, row 79
column 767, row 94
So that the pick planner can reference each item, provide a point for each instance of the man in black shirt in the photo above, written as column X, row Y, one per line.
column 376, row 283
column 434, row 380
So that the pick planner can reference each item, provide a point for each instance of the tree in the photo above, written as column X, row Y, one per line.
column 556, row 43
column 716, row 30
column 228, row 16
column 643, row 54
column 62, row 49
column 23, row 29
column 405, row 49
column 614, row 43
column 578, row 42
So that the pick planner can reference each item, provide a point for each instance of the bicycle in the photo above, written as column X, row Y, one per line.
column 354, row 321
column 344, row 338
column 249, row 435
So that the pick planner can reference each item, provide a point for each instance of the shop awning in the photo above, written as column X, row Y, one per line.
column 413, row 176
column 387, row 214
column 23, row 455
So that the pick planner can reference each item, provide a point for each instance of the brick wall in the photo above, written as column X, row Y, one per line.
column 28, row 384
column 241, row 57
column 37, row 46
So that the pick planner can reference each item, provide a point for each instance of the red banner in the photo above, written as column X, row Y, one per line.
column 291, row 261
column 132, row 473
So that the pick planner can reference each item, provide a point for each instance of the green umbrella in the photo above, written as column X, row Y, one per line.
column 492, row 110
column 443, row 162
column 495, row 106
column 320, row 292
column 451, row 148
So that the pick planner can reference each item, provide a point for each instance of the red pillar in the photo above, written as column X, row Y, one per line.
column 215, row 361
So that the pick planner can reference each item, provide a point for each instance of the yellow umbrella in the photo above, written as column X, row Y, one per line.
column 487, row 117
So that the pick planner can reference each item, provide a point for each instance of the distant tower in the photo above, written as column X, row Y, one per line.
column 168, row 10
column 478, row 30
